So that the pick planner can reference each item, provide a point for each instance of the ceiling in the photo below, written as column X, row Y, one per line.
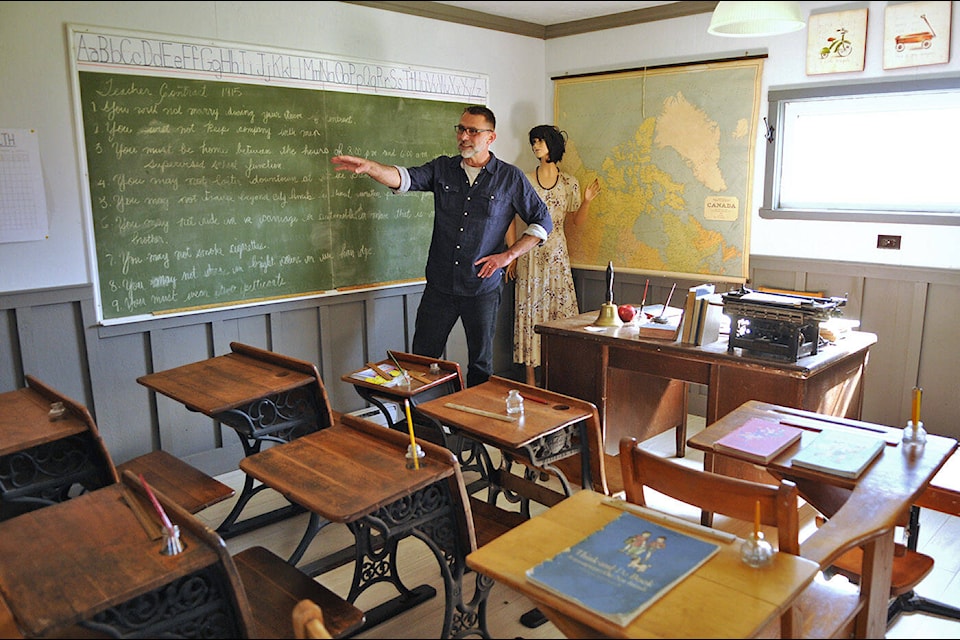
column 549, row 13
column 544, row 19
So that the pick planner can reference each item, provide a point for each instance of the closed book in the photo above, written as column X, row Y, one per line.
column 623, row 568
column 690, row 313
column 710, row 319
column 759, row 440
column 665, row 326
column 842, row 453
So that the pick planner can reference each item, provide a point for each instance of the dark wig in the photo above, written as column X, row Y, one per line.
column 554, row 139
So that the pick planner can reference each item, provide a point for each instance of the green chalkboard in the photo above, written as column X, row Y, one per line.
column 208, row 193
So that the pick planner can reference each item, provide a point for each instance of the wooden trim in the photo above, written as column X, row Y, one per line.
column 449, row 13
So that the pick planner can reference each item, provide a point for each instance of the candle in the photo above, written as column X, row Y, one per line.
column 156, row 505
column 413, row 441
column 756, row 520
column 916, row 406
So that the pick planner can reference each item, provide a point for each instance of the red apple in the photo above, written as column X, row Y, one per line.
column 626, row 312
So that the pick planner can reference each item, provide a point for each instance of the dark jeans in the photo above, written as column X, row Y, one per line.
column 438, row 313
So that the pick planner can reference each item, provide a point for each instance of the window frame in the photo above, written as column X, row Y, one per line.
column 776, row 104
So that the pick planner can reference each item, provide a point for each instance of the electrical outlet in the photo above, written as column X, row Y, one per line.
column 888, row 242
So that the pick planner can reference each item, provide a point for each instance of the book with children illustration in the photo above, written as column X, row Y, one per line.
column 620, row 570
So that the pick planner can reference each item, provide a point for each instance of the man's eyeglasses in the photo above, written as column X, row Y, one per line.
column 460, row 129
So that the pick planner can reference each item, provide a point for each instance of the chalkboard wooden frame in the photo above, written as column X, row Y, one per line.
column 208, row 190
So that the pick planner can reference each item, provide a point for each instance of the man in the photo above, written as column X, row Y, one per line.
column 475, row 198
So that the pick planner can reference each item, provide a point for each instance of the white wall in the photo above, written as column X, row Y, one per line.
column 686, row 39
column 35, row 92
column 35, row 87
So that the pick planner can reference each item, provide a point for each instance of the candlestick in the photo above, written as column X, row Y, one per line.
column 917, row 391
column 156, row 505
column 413, row 440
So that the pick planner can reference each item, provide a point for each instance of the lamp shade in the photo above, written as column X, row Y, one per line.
column 751, row 19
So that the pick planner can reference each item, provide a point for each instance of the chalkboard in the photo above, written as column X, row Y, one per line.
column 208, row 193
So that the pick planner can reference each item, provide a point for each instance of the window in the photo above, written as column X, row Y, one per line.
column 869, row 152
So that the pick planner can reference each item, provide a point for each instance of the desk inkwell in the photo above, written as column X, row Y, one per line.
column 755, row 551
column 914, row 435
column 608, row 310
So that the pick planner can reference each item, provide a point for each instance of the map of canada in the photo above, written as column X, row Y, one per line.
column 673, row 150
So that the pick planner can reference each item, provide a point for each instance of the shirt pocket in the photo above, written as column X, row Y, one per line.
column 450, row 195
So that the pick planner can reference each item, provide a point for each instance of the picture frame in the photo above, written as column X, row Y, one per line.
column 916, row 34
column 836, row 41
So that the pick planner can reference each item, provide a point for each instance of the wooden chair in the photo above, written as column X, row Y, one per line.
column 308, row 621
column 910, row 567
column 824, row 610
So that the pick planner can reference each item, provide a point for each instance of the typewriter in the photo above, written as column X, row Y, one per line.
column 776, row 325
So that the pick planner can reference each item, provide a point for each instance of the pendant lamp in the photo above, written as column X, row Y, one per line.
column 752, row 19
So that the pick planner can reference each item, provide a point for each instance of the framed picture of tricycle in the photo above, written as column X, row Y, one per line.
column 915, row 34
column 836, row 41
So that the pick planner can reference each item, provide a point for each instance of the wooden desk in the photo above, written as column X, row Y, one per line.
column 551, row 430
column 355, row 473
column 639, row 385
column 44, row 461
column 723, row 598
column 423, row 385
column 93, row 561
column 867, row 508
column 264, row 396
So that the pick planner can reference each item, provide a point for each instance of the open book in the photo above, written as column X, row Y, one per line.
column 623, row 568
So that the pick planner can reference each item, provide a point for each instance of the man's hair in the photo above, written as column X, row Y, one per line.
column 553, row 137
column 480, row 110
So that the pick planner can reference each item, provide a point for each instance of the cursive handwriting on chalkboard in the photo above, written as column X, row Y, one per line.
column 206, row 193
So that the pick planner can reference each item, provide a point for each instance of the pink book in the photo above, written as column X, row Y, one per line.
column 759, row 440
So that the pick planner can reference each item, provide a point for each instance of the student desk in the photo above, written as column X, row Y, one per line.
column 639, row 385
column 423, row 384
column 95, row 561
column 355, row 473
column 43, row 458
column 866, row 508
column 264, row 396
column 554, row 427
column 724, row 598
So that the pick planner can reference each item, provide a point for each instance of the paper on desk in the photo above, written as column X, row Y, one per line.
column 371, row 376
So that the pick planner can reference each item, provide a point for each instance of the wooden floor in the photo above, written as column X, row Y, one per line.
column 938, row 535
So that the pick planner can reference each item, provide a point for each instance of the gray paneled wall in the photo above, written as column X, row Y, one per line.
column 52, row 334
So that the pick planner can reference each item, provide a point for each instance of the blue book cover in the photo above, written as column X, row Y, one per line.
column 621, row 569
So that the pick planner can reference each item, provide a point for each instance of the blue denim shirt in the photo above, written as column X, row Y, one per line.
column 470, row 222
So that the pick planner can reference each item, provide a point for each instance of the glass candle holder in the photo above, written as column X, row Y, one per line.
column 755, row 551
column 914, row 433
column 409, row 456
column 172, row 544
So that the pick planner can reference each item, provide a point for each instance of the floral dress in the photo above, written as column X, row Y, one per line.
column 544, row 285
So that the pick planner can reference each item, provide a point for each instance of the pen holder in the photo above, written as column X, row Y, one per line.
column 914, row 433
column 755, row 551
column 420, row 456
column 172, row 545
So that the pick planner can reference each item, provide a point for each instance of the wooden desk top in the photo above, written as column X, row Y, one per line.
column 421, row 379
column 348, row 470
column 539, row 419
column 232, row 380
column 875, row 501
column 25, row 421
column 723, row 598
column 575, row 326
column 69, row 561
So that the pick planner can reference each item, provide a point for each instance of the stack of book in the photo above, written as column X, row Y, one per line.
column 702, row 315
